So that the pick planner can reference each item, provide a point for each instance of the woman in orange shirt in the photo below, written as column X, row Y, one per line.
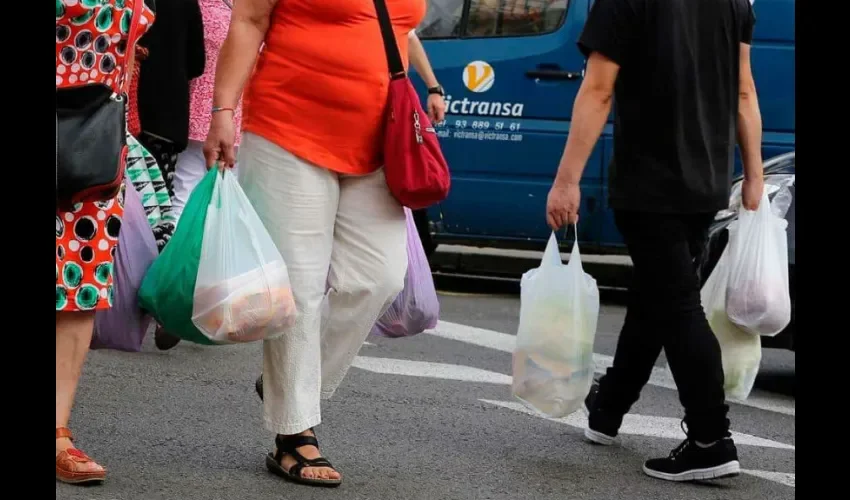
column 310, row 162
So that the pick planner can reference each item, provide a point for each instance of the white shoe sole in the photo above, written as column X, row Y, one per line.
column 594, row 436
column 598, row 438
column 729, row 469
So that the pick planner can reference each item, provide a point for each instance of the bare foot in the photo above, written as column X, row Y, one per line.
column 310, row 453
column 65, row 444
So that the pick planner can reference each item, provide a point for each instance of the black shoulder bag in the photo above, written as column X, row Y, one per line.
column 91, row 140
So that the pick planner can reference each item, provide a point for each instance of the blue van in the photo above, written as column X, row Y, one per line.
column 511, row 70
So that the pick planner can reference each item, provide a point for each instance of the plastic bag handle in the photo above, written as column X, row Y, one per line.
column 575, row 254
column 552, row 255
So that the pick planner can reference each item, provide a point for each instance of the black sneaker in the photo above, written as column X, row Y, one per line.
column 692, row 462
column 164, row 340
column 601, row 427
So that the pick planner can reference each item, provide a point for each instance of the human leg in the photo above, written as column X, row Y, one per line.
column 638, row 348
column 188, row 172
column 297, row 203
column 662, row 248
column 694, row 357
column 367, row 270
column 73, row 336
column 85, row 240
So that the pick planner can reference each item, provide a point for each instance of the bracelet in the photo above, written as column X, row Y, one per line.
column 216, row 109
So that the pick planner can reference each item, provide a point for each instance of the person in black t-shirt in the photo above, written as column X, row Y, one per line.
column 679, row 72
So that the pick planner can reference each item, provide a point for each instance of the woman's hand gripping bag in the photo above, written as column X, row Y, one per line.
column 123, row 326
column 416, row 308
column 168, row 289
column 553, row 360
column 758, row 295
column 242, row 292
column 740, row 351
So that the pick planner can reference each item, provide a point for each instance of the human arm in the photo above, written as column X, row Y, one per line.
column 590, row 112
column 248, row 25
column 419, row 60
column 749, row 125
column 611, row 30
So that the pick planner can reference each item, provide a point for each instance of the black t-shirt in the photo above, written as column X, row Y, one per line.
column 675, row 99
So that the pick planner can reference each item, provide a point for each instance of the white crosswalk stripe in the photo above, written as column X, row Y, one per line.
column 779, row 477
column 390, row 366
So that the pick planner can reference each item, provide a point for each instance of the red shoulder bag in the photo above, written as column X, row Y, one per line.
column 416, row 171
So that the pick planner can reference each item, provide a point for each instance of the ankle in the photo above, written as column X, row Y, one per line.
column 63, row 444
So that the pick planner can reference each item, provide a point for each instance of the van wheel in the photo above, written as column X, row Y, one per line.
column 420, row 217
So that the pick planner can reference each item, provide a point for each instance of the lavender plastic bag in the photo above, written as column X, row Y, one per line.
column 416, row 308
column 123, row 326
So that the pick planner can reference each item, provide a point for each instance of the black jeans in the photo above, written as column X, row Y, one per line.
column 664, row 311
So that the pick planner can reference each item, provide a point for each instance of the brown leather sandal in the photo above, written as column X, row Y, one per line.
column 66, row 463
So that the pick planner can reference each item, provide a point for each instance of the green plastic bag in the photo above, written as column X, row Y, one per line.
column 168, row 289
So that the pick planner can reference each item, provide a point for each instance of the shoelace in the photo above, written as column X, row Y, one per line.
column 684, row 445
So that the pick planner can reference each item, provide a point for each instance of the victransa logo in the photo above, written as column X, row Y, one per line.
column 478, row 77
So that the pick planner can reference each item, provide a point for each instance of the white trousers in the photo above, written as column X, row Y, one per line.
column 191, row 167
column 340, row 233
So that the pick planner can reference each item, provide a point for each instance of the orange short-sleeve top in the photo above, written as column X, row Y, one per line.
column 319, row 89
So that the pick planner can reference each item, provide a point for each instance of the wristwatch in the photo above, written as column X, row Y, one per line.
column 437, row 90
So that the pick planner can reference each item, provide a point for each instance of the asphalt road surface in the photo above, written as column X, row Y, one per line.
column 429, row 417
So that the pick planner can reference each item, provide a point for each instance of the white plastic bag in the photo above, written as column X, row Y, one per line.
column 758, row 296
column 741, row 351
column 553, row 361
column 243, row 292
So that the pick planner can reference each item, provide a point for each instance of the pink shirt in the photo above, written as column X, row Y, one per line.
column 216, row 15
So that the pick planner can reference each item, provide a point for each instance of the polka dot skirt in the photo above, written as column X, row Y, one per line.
column 92, row 38
column 86, row 238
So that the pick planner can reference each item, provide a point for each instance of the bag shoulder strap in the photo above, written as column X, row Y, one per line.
column 390, row 46
column 132, row 39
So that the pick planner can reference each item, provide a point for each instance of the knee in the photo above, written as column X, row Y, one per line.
column 388, row 282
column 381, row 281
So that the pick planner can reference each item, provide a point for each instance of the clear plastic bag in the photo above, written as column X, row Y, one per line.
column 553, row 361
column 741, row 351
column 243, row 292
column 758, row 296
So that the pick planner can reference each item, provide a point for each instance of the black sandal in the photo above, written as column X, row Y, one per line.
column 287, row 446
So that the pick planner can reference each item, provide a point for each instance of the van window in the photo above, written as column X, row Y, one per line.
column 491, row 18
column 514, row 17
column 442, row 20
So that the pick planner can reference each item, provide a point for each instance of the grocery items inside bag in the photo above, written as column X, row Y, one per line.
column 247, row 307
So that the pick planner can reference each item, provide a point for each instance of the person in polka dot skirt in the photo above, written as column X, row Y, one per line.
column 92, row 47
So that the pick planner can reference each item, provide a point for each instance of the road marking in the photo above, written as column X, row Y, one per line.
column 778, row 477
column 427, row 369
column 642, row 425
column 368, row 343
column 660, row 376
